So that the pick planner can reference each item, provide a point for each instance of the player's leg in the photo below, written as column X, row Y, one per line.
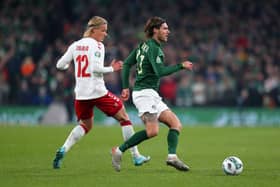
column 84, row 113
column 146, row 106
column 127, row 132
column 151, row 130
column 77, row 133
column 113, row 106
column 144, row 103
column 171, row 120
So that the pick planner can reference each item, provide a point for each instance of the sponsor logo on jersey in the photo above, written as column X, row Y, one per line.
column 97, row 54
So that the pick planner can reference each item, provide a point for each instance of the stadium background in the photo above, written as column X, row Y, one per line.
column 234, row 46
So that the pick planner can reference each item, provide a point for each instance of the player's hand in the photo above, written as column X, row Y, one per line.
column 116, row 64
column 188, row 65
column 125, row 94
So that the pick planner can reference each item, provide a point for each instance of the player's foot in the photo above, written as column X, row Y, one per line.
column 139, row 160
column 177, row 163
column 58, row 158
column 116, row 159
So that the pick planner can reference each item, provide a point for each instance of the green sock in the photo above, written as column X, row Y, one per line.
column 137, row 138
column 172, row 140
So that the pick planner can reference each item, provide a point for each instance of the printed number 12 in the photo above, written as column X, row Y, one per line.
column 82, row 61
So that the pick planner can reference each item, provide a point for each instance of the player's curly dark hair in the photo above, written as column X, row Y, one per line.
column 153, row 22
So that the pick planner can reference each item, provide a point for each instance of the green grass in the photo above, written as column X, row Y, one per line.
column 26, row 155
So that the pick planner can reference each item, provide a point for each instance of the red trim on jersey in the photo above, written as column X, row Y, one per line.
column 99, row 45
column 125, row 123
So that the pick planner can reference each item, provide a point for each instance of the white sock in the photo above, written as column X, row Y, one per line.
column 170, row 156
column 76, row 134
column 127, row 132
column 118, row 151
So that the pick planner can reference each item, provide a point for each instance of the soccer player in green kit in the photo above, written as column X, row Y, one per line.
column 149, row 60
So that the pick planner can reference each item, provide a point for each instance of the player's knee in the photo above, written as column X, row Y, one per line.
column 152, row 132
column 151, row 122
column 86, row 124
column 121, row 115
column 123, row 118
column 89, row 127
column 149, row 118
column 177, row 126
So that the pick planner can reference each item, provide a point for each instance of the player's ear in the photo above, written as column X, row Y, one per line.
column 155, row 30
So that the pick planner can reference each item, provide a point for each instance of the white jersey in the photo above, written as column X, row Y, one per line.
column 88, row 56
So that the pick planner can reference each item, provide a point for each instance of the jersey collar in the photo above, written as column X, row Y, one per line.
column 154, row 41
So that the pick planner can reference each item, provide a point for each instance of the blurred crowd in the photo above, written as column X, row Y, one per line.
column 234, row 45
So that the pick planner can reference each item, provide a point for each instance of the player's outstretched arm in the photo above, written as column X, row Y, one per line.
column 98, row 67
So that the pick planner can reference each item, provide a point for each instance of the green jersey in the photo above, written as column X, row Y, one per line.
column 149, row 58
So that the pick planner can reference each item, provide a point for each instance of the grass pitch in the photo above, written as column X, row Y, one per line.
column 26, row 155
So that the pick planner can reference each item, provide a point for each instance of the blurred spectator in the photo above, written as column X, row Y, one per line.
column 112, row 81
column 168, row 89
column 184, row 92
column 199, row 91
column 27, row 67
column 271, row 86
column 4, row 88
column 24, row 94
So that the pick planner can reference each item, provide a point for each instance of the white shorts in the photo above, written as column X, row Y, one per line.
column 148, row 100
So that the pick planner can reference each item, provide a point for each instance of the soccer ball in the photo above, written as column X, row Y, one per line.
column 232, row 165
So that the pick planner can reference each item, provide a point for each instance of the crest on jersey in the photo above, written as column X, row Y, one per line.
column 97, row 54
column 158, row 60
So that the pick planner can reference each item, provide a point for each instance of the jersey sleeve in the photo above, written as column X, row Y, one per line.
column 64, row 61
column 156, row 58
column 98, row 62
column 99, row 68
column 128, row 63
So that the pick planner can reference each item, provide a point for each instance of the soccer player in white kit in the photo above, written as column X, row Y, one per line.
column 90, row 91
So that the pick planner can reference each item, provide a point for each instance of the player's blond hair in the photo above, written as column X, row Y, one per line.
column 93, row 23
